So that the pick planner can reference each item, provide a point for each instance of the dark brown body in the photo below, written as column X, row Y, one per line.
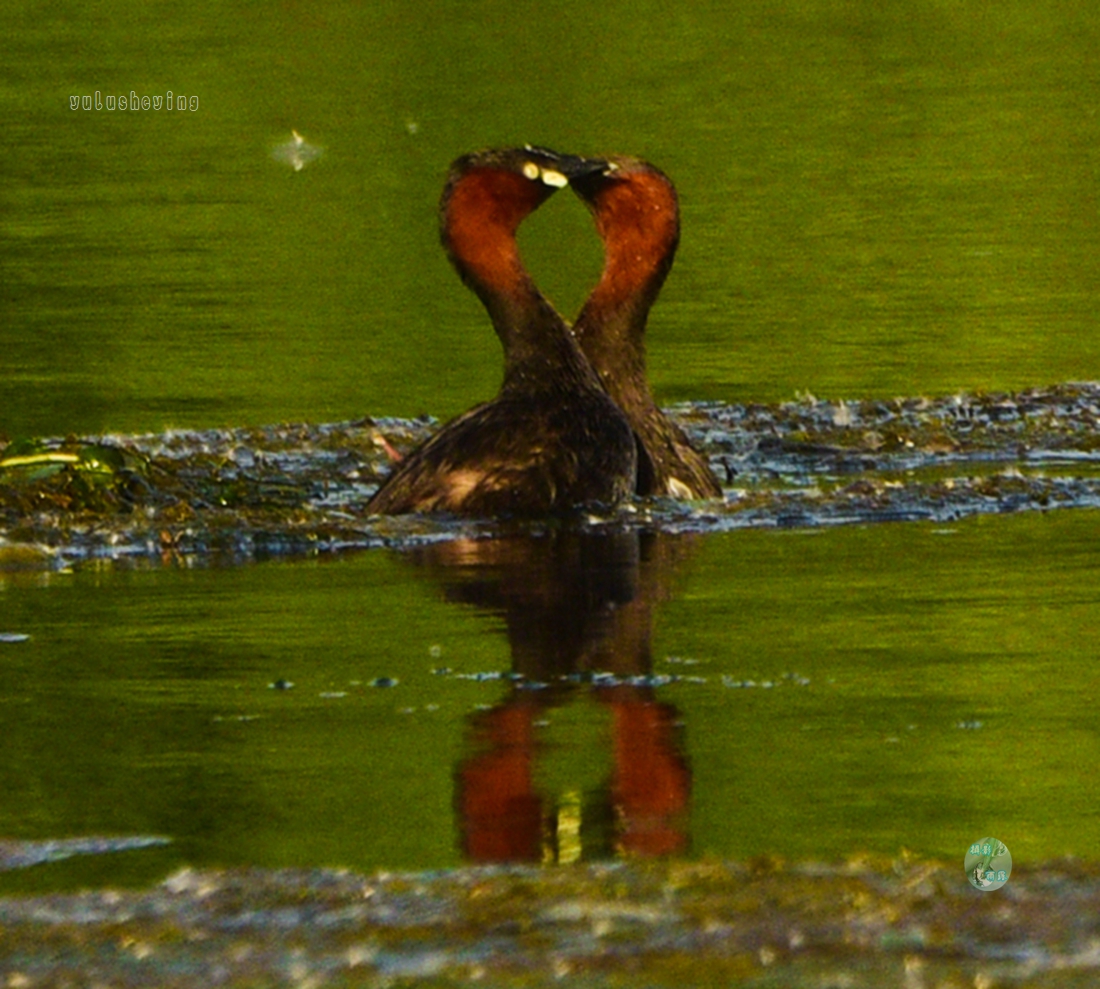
column 553, row 439
column 638, row 218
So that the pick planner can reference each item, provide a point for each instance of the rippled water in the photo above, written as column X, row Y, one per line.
column 803, row 691
column 878, row 201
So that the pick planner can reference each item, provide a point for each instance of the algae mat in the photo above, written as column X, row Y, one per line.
column 762, row 923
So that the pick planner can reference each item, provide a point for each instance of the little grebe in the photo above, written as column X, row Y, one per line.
column 638, row 219
column 552, row 439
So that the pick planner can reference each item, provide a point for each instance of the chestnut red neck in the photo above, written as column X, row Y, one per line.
column 637, row 216
column 487, row 196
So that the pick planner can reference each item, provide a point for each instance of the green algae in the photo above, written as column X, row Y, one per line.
column 298, row 489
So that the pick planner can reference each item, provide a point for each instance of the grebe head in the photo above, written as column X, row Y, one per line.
column 486, row 197
column 637, row 216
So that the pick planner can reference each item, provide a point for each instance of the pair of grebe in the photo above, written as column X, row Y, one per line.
column 574, row 423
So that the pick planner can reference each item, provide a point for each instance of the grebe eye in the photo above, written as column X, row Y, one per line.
column 530, row 170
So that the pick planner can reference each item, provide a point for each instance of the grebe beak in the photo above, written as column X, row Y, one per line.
column 574, row 167
column 593, row 174
column 558, row 170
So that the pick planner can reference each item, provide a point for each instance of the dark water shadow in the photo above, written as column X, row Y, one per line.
column 577, row 607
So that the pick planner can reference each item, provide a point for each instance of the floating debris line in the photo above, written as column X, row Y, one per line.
column 190, row 496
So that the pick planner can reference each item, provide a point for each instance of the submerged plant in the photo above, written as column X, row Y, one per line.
column 69, row 475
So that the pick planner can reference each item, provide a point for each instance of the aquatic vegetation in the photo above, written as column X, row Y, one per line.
column 864, row 921
column 71, row 475
column 192, row 496
column 243, row 492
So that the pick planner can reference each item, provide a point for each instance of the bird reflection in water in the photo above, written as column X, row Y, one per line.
column 577, row 606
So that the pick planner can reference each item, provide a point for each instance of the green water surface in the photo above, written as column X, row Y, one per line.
column 878, row 200
column 945, row 686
